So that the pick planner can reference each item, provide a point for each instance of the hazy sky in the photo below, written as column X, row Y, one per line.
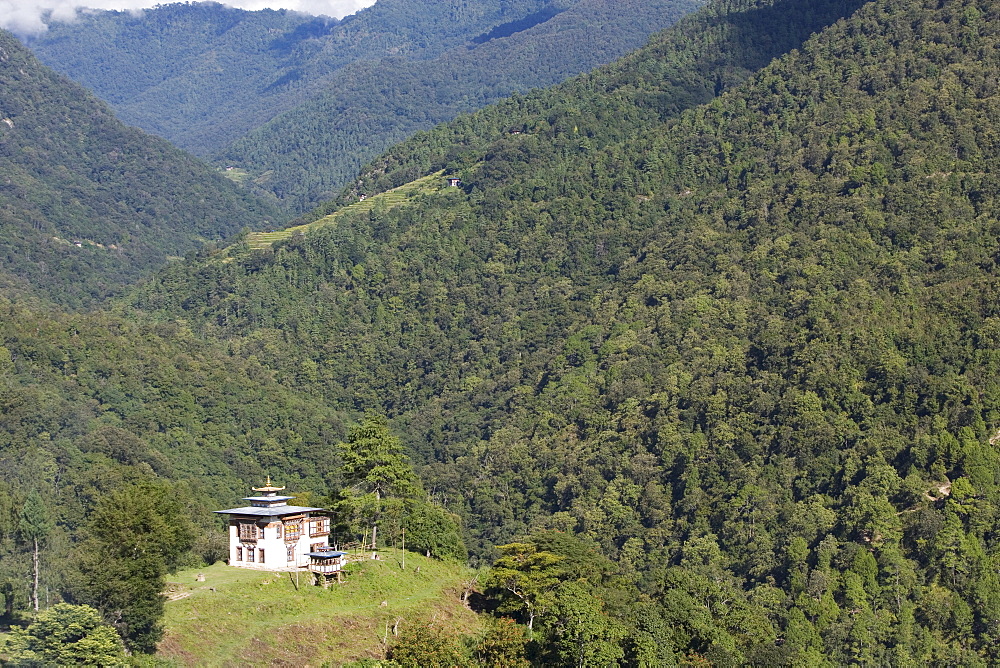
column 24, row 16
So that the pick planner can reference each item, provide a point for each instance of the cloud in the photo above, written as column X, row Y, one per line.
column 25, row 17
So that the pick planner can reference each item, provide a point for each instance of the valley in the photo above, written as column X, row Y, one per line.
column 692, row 365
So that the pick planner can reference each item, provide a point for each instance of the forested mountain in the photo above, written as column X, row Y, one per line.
column 306, row 155
column 202, row 74
column 207, row 77
column 748, row 351
column 88, row 204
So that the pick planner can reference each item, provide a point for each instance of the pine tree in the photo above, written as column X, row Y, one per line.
column 374, row 462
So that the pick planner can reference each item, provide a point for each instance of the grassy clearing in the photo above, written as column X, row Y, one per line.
column 389, row 199
column 238, row 617
column 235, row 174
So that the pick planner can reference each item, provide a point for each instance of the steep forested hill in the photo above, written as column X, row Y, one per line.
column 702, row 56
column 306, row 155
column 88, row 204
column 204, row 75
column 749, row 351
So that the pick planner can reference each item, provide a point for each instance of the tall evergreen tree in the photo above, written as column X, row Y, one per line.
column 34, row 526
column 374, row 462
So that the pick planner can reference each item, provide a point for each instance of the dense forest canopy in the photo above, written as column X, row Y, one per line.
column 702, row 352
column 746, row 351
column 300, row 103
column 88, row 204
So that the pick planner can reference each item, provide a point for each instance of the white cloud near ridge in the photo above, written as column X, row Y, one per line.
column 24, row 17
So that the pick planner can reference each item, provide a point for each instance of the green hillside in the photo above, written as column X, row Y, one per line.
column 202, row 74
column 747, row 350
column 306, row 155
column 88, row 204
column 237, row 616
column 702, row 354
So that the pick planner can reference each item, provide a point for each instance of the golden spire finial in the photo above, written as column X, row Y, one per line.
column 268, row 487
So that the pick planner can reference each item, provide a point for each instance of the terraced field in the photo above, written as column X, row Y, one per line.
column 391, row 198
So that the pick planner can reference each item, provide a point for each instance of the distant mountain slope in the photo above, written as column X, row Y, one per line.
column 307, row 154
column 339, row 93
column 88, row 204
column 750, row 349
column 202, row 74
column 703, row 55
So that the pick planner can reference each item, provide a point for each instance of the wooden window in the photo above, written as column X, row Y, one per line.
column 293, row 530
column 261, row 555
column 279, row 530
column 250, row 531
column 319, row 526
column 250, row 554
column 239, row 553
column 291, row 552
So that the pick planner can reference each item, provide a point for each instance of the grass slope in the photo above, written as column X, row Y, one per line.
column 243, row 617
column 389, row 199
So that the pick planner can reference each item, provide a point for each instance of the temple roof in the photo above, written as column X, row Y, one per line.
column 267, row 499
column 268, row 511
column 268, row 505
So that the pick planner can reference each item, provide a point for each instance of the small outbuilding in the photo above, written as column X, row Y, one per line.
column 325, row 564
column 454, row 181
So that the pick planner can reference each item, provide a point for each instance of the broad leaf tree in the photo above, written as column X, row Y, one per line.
column 65, row 635
column 525, row 580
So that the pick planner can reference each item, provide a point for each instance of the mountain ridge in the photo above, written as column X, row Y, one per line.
column 246, row 65
column 87, row 204
column 300, row 103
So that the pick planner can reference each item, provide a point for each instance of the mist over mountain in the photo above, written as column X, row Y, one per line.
column 28, row 18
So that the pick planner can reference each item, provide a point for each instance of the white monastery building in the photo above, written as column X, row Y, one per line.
column 271, row 535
